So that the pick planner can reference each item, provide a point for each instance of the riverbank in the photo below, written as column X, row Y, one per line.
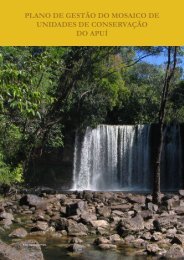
column 79, row 222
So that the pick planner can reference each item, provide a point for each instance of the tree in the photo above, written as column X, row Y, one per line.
column 169, row 74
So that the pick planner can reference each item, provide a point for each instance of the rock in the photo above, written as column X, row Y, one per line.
column 101, row 240
column 99, row 223
column 5, row 215
column 152, row 207
column 7, row 252
column 76, row 240
column 172, row 203
column 122, row 207
column 181, row 192
column 76, row 229
column 175, row 251
column 61, row 224
column 146, row 236
column 140, row 199
column 18, row 233
column 115, row 238
column 179, row 210
column 146, row 214
column 107, row 246
column 157, row 236
column 102, row 231
column 88, row 195
column 129, row 239
column 153, row 249
column 133, row 224
column 30, row 249
column 77, row 248
column 87, row 217
column 178, row 239
column 165, row 222
column 104, row 211
column 40, row 226
column 63, row 210
column 34, row 200
column 6, row 219
column 139, row 243
column 76, row 208
column 24, row 250
column 171, row 232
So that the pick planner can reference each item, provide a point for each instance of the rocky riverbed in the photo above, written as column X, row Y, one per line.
column 79, row 221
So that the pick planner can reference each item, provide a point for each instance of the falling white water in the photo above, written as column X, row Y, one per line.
column 112, row 158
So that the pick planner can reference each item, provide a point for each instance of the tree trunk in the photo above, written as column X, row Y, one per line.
column 170, row 70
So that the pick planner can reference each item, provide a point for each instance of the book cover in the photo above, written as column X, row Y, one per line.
column 91, row 129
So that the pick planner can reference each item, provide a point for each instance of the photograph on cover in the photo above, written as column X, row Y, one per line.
column 91, row 152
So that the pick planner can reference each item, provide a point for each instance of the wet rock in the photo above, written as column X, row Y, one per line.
column 77, row 248
column 25, row 250
column 18, row 233
column 76, row 208
column 115, row 238
column 76, row 229
column 129, row 239
column 7, row 252
column 40, row 226
column 101, row 240
column 76, row 240
column 139, row 243
column 60, row 224
column 30, row 249
column 175, row 251
column 153, row 249
column 107, row 246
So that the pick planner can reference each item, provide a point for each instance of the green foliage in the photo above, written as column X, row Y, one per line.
column 9, row 175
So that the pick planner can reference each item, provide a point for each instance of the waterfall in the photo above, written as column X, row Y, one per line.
column 119, row 158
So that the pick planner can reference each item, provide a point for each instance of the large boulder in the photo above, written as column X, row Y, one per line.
column 133, row 198
column 175, row 251
column 40, row 226
column 165, row 222
column 76, row 229
column 77, row 248
column 99, row 223
column 76, row 208
column 34, row 201
column 25, row 250
column 6, row 218
column 130, row 225
column 30, row 249
column 18, row 233
column 104, row 211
